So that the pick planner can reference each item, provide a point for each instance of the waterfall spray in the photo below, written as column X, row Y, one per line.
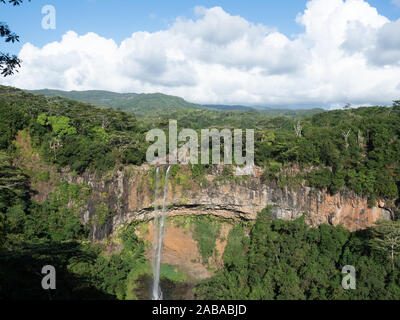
column 159, row 231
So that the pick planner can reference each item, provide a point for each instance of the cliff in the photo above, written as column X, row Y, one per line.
column 129, row 196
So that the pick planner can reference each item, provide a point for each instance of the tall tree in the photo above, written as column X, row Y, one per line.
column 298, row 128
column 8, row 62
column 387, row 238
column 346, row 138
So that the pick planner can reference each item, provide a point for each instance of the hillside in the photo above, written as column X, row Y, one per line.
column 142, row 105
column 224, row 107
column 76, row 192
column 157, row 105
column 358, row 149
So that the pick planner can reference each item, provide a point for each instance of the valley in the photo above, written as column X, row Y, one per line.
column 76, row 191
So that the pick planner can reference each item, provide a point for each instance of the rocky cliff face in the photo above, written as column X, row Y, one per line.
column 129, row 194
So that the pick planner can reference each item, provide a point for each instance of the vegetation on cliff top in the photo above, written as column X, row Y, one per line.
column 70, row 133
column 357, row 149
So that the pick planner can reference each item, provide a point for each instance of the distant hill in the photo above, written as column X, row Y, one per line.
column 268, row 111
column 224, row 107
column 142, row 105
column 158, row 105
column 291, row 113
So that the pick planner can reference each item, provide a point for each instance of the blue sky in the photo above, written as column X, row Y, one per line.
column 118, row 19
column 255, row 52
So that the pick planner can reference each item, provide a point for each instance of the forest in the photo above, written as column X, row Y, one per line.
column 288, row 260
column 355, row 150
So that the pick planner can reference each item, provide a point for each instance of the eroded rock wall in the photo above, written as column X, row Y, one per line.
column 129, row 194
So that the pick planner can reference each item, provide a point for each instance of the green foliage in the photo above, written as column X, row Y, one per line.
column 290, row 260
column 236, row 248
column 21, row 265
column 172, row 273
column 169, row 107
column 114, row 270
column 13, row 184
column 273, row 260
column 320, row 179
column 367, row 163
column 387, row 239
column 140, row 104
column 103, row 214
column 70, row 133
column 206, row 232
column 100, row 134
column 82, row 271
column 174, row 170
column 56, row 219
column 14, row 198
column 12, row 119
column 272, row 170
column 356, row 149
column 199, row 172
column 60, row 124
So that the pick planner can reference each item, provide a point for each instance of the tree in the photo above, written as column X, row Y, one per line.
column 9, row 63
column 346, row 138
column 298, row 128
column 60, row 124
column 387, row 238
column 360, row 139
column 11, row 179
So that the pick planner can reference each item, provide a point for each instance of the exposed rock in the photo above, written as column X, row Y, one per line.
column 179, row 250
column 245, row 171
column 130, row 196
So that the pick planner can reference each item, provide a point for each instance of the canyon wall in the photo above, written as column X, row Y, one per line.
column 129, row 195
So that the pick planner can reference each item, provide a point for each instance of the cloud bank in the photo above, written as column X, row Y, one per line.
column 348, row 52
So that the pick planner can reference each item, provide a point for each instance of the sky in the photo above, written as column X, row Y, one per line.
column 256, row 52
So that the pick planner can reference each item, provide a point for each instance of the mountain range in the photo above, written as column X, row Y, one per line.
column 161, row 105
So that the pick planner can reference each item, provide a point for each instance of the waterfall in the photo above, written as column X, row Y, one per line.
column 156, row 289
column 159, row 231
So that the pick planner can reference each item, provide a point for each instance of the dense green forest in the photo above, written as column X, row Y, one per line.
column 355, row 149
column 142, row 105
column 157, row 105
column 287, row 260
column 70, row 133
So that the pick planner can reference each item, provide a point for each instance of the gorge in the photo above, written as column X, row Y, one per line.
column 130, row 197
column 133, row 195
column 78, row 192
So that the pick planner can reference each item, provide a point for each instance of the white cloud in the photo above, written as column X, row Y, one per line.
column 348, row 53
column 386, row 49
